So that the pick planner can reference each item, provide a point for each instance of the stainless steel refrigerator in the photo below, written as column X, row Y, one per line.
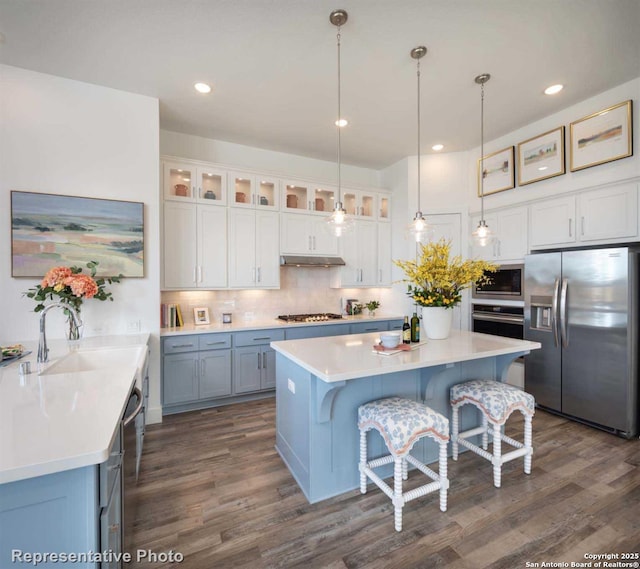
column 582, row 306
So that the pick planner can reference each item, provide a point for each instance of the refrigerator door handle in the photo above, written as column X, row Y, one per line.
column 554, row 312
column 563, row 313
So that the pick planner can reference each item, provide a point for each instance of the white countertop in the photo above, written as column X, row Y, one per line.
column 269, row 323
column 338, row 358
column 55, row 422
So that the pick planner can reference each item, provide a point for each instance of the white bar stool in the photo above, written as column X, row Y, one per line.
column 496, row 402
column 403, row 422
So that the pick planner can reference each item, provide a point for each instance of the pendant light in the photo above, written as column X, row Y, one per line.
column 482, row 234
column 339, row 223
column 418, row 229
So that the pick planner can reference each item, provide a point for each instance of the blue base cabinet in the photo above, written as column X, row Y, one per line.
column 207, row 370
column 74, row 511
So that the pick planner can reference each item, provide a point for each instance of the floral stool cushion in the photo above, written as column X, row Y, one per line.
column 401, row 422
column 497, row 400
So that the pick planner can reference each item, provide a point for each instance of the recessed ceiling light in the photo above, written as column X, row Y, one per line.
column 437, row 147
column 553, row 89
column 202, row 88
column 342, row 122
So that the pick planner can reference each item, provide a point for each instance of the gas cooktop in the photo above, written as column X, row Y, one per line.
column 321, row 317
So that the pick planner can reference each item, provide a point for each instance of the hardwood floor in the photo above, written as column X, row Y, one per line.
column 213, row 488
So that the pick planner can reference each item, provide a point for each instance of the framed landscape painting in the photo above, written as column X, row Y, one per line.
column 602, row 137
column 498, row 173
column 541, row 157
column 49, row 230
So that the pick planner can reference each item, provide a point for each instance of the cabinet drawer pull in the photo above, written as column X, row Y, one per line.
column 182, row 346
column 265, row 338
column 258, row 361
column 264, row 360
column 582, row 224
column 371, row 330
column 216, row 343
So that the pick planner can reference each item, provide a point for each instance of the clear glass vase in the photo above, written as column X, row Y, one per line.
column 73, row 333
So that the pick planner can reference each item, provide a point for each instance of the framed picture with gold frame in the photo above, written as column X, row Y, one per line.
column 541, row 157
column 602, row 137
column 498, row 172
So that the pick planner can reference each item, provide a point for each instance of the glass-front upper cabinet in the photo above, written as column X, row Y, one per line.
column 308, row 198
column 254, row 191
column 323, row 199
column 360, row 203
column 295, row 196
column 188, row 182
column 384, row 201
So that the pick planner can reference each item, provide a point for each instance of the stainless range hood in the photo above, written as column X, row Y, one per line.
column 308, row 261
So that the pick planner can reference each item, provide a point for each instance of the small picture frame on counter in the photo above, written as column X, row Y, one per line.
column 201, row 315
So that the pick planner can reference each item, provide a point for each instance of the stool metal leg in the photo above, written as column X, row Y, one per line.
column 527, row 444
column 497, row 456
column 454, row 432
column 442, row 471
column 398, row 500
column 363, row 461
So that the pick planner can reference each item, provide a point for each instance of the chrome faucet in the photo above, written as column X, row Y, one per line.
column 43, row 350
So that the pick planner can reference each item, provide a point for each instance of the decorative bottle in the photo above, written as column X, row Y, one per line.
column 415, row 328
column 406, row 331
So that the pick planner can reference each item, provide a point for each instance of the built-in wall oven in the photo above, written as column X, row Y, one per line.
column 507, row 283
column 499, row 320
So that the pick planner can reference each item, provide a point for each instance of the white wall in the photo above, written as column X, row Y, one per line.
column 66, row 137
column 278, row 163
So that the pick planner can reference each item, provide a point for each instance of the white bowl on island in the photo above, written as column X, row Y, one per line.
column 390, row 340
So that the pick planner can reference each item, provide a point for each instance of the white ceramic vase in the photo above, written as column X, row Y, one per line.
column 436, row 322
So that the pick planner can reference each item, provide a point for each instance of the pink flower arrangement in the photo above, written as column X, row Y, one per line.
column 71, row 286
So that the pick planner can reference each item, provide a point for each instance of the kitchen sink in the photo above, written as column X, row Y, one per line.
column 98, row 359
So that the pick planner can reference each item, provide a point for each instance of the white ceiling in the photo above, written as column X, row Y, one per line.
column 273, row 66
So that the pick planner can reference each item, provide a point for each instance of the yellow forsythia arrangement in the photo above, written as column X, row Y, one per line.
column 437, row 280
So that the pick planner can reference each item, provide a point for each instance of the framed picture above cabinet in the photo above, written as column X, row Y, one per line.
column 541, row 157
column 602, row 137
column 498, row 172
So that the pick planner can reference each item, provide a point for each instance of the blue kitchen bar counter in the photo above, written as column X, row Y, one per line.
column 321, row 382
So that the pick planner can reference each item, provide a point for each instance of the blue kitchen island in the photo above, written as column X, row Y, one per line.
column 321, row 382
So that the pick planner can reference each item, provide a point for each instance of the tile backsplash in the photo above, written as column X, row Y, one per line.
column 302, row 290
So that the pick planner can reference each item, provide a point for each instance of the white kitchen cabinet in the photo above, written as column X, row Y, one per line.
column 253, row 191
column 591, row 216
column 509, row 240
column 384, row 254
column 610, row 213
column 307, row 197
column 553, row 222
column 361, row 204
column 194, row 183
column 306, row 235
column 194, row 246
column 359, row 249
column 254, row 258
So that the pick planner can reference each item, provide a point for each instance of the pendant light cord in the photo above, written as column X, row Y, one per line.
column 338, row 36
column 418, row 78
column 482, row 152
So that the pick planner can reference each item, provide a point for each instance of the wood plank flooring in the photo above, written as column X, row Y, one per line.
column 213, row 488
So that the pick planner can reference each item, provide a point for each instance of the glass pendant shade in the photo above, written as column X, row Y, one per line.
column 339, row 222
column 419, row 230
column 482, row 234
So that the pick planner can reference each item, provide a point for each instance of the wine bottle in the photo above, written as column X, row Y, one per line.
column 406, row 331
column 415, row 328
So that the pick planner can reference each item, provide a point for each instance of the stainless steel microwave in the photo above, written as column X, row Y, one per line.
column 507, row 283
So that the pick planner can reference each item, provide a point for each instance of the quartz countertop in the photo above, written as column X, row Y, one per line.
column 54, row 422
column 339, row 358
column 267, row 323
